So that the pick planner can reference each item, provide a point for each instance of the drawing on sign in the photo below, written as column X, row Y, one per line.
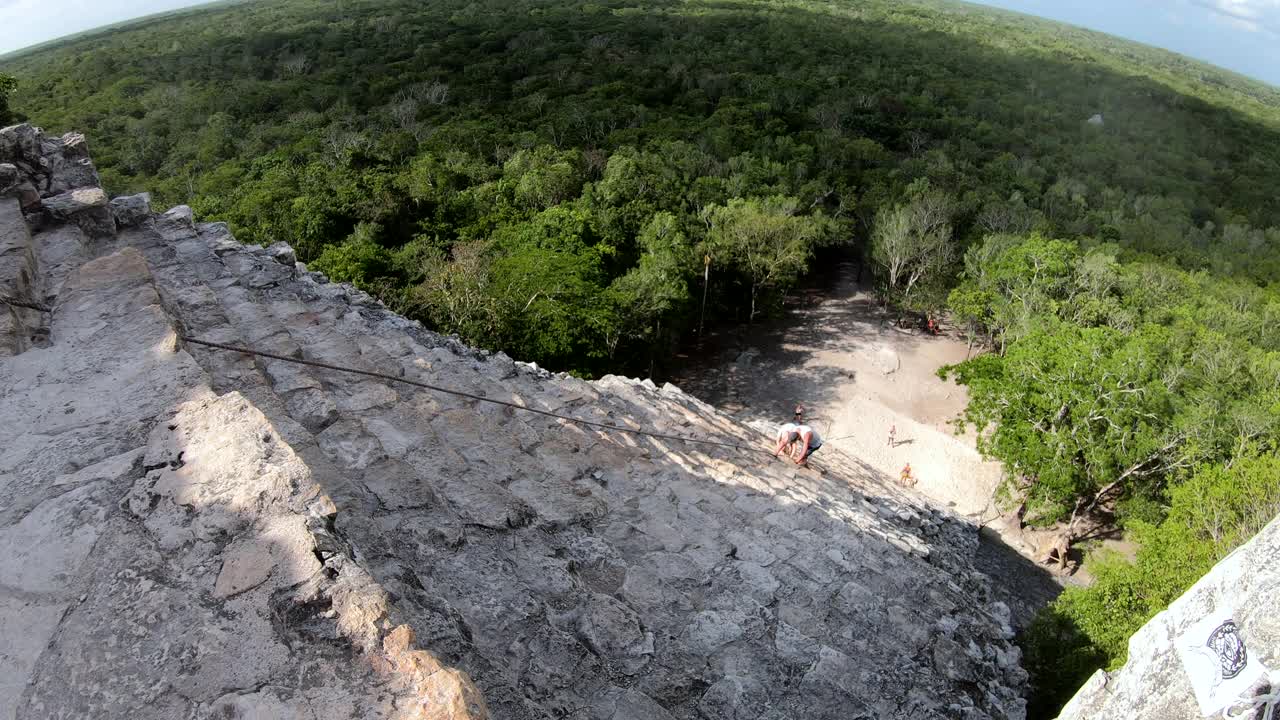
column 1226, row 643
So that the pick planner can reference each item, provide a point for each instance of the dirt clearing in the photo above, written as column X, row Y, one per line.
column 859, row 377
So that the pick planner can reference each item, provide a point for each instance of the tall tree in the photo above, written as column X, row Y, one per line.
column 655, row 287
column 912, row 241
column 7, row 85
column 765, row 240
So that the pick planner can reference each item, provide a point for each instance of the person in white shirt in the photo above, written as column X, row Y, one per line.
column 790, row 433
column 810, row 440
column 787, row 434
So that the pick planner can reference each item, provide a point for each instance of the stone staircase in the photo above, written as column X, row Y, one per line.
column 249, row 535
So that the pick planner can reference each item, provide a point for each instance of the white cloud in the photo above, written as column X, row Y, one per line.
column 1248, row 15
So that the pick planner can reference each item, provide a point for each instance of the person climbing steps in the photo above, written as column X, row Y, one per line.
column 810, row 441
column 792, row 432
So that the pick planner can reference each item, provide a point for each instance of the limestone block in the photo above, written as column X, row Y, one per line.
column 96, row 222
column 282, row 253
column 180, row 214
column 245, row 566
column 312, row 407
column 25, row 630
column 74, row 201
column 618, row 704
column 10, row 178
column 27, row 195
column 442, row 693
column 74, row 145
column 43, row 552
column 19, row 142
column 69, row 171
column 710, row 630
column 735, row 698
column 131, row 210
column 17, row 258
column 612, row 630
column 794, row 646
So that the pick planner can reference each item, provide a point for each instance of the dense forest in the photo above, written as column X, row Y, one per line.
column 589, row 184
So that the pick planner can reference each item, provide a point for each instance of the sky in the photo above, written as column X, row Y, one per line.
column 29, row 22
column 1241, row 35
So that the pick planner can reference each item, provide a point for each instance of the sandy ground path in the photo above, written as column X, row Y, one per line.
column 858, row 376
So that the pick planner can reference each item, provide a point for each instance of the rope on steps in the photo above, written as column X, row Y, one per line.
column 24, row 304
column 471, row 396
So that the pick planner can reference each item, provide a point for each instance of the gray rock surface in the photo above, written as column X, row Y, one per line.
column 74, row 201
column 282, row 253
column 10, row 177
column 190, row 532
column 17, row 280
column 1155, row 683
column 21, row 144
column 129, row 210
column 159, row 551
column 54, row 174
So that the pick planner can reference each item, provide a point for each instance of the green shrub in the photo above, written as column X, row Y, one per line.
column 359, row 260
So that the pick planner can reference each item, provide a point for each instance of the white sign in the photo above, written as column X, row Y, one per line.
column 1219, row 664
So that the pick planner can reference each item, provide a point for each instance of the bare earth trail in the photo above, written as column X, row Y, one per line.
column 857, row 375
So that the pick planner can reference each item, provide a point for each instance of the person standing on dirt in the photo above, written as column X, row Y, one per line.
column 893, row 435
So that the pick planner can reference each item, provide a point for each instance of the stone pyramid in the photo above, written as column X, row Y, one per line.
column 187, row 532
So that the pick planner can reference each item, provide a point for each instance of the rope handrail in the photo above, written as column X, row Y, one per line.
column 464, row 394
column 24, row 304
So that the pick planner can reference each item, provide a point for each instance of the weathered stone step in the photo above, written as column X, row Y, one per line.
column 142, row 513
column 59, row 251
column 19, row 327
column 184, row 269
column 75, row 414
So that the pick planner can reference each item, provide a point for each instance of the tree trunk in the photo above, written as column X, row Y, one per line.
column 657, row 337
column 706, row 282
